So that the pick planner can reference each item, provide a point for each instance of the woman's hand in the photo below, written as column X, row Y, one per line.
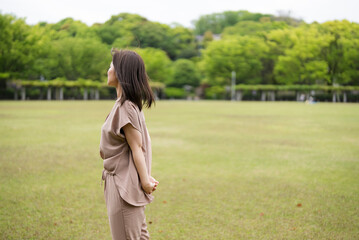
column 155, row 182
column 150, row 186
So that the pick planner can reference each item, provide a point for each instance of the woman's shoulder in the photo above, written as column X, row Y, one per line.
column 127, row 104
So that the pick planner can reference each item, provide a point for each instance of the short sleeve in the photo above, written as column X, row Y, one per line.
column 126, row 113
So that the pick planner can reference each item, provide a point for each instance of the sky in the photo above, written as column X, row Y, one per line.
column 180, row 11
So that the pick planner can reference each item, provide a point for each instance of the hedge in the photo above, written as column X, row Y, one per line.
column 296, row 87
column 62, row 82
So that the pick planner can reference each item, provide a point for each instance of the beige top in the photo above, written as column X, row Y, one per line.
column 117, row 155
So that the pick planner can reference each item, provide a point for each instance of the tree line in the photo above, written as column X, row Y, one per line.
column 260, row 48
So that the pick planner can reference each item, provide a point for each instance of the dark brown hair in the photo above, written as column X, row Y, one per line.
column 131, row 74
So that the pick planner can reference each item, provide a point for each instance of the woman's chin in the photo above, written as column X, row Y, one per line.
column 110, row 84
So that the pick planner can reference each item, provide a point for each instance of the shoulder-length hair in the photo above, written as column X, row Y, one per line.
column 131, row 74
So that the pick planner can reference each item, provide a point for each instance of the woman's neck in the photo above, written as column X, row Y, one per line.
column 118, row 91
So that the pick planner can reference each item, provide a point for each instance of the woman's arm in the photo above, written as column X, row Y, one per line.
column 134, row 140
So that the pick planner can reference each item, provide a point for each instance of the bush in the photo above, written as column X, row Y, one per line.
column 184, row 73
column 215, row 92
column 171, row 92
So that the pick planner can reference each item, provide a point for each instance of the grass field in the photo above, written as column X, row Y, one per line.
column 227, row 170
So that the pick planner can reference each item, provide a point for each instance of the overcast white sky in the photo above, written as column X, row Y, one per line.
column 180, row 11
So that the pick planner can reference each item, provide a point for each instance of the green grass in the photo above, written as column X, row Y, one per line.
column 227, row 170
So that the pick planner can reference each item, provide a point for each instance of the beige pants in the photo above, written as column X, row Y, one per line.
column 127, row 222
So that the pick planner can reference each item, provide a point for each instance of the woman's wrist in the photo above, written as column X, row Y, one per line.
column 146, row 183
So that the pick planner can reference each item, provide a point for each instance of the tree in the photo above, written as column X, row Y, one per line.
column 207, row 38
column 242, row 54
column 303, row 62
column 75, row 58
column 253, row 28
column 350, row 64
column 157, row 64
column 184, row 42
column 218, row 21
column 41, row 38
column 119, row 28
column 184, row 73
column 155, row 35
column 68, row 27
column 16, row 45
column 342, row 54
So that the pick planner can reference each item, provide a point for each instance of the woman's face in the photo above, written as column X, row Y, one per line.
column 111, row 76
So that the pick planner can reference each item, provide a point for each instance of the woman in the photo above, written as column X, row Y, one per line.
column 125, row 148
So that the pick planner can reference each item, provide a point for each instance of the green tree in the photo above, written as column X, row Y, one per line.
column 207, row 38
column 41, row 37
column 68, row 27
column 350, row 64
column 157, row 63
column 216, row 22
column 253, row 28
column 260, row 29
column 16, row 46
column 242, row 54
column 184, row 73
column 75, row 58
column 303, row 61
column 343, row 51
column 118, row 30
column 184, row 42
column 155, row 35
